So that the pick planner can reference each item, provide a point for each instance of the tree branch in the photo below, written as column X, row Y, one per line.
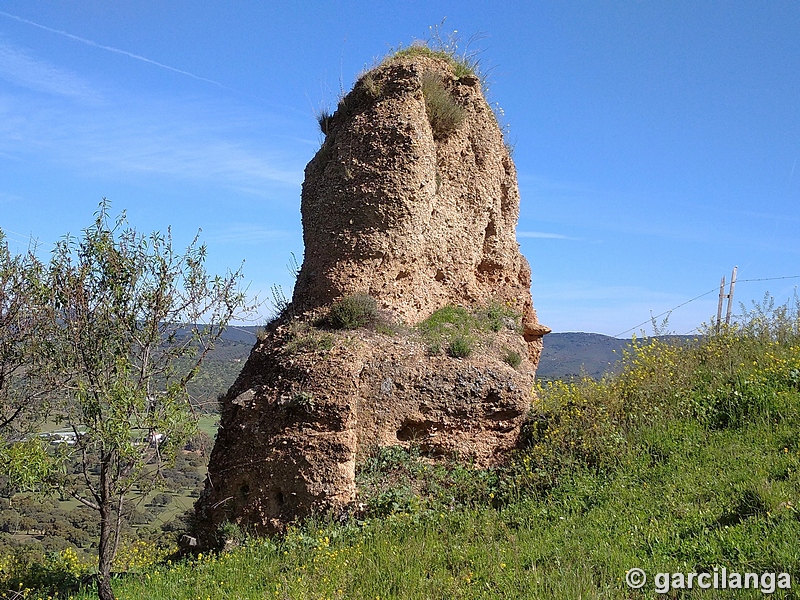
column 84, row 501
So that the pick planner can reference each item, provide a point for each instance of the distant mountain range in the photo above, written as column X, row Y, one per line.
column 241, row 334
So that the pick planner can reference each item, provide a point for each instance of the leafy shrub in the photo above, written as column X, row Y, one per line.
column 497, row 316
column 447, row 317
column 304, row 400
column 139, row 556
column 398, row 480
column 230, row 534
column 352, row 312
column 460, row 346
column 27, row 569
column 395, row 499
column 512, row 358
column 444, row 325
column 385, row 459
column 444, row 114
column 458, row 329
column 447, row 321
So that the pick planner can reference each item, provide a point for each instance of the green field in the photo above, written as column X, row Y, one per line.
column 209, row 424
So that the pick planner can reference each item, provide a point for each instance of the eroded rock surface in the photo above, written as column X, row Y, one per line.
column 418, row 218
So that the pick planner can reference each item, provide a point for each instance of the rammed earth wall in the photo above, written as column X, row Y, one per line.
column 418, row 216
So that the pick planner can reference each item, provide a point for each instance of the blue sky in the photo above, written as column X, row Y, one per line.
column 656, row 143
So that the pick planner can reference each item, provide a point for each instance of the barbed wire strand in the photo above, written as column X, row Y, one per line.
column 768, row 278
column 650, row 320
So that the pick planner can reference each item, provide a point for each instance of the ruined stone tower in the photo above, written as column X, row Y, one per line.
column 413, row 200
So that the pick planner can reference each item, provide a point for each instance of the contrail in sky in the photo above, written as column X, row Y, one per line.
column 112, row 49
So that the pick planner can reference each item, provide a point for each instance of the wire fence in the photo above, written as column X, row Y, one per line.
column 653, row 318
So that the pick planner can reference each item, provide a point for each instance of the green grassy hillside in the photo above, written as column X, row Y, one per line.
column 685, row 461
column 568, row 355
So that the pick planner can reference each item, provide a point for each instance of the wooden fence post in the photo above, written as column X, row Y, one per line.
column 730, row 296
column 719, row 306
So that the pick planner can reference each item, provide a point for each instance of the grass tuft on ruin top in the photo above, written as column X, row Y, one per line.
column 447, row 46
column 444, row 114
column 461, row 65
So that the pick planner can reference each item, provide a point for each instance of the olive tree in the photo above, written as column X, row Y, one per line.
column 21, row 317
column 127, row 337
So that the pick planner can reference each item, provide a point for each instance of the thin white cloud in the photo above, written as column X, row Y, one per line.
column 545, row 236
column 19, row 68
column 111, row 49
column 187, row 156
column 4, row 197
column 174, row 138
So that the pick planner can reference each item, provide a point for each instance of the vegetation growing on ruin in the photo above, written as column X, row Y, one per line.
column 512, row 358
column 444, row 114
column 352, row 312
column 457, row 330
column 303, row 337
column 461, row 65
column 324, row 120
column 447, row 46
